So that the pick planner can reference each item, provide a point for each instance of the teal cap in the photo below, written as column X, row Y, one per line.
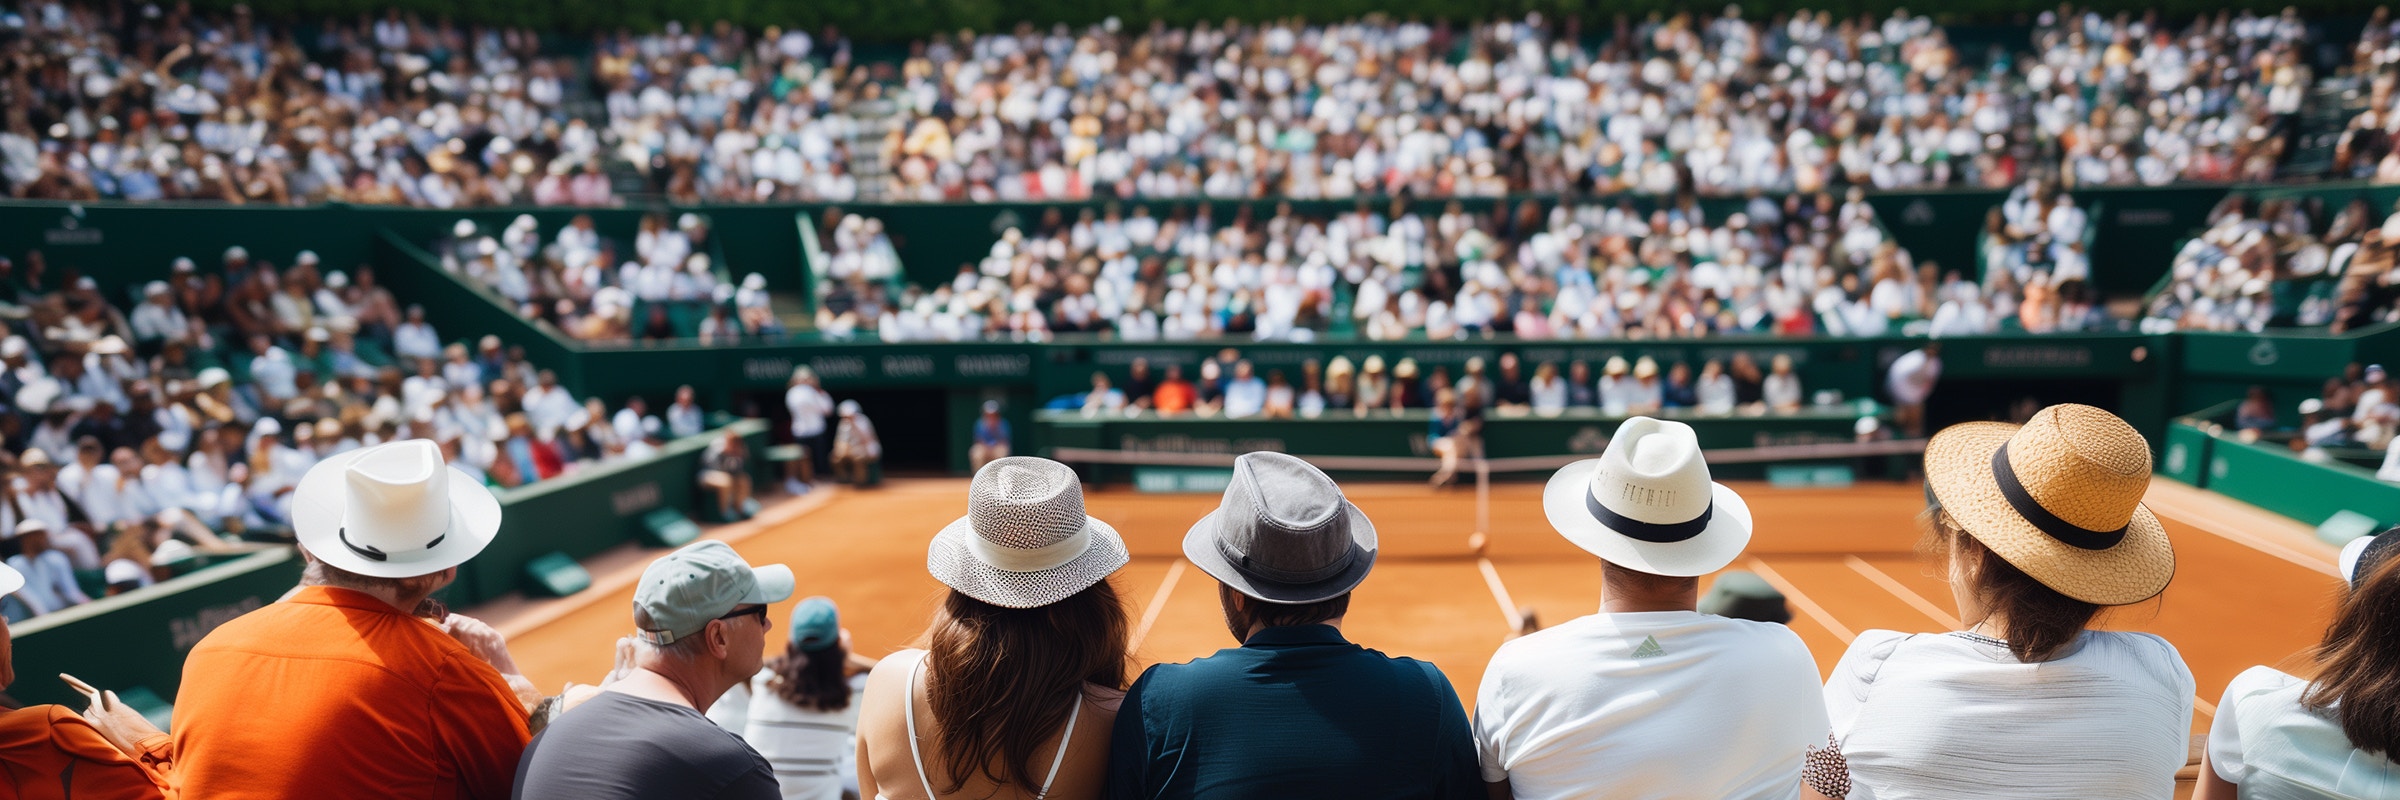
column 1743, row 595
column 816, row 625
column 681, row 593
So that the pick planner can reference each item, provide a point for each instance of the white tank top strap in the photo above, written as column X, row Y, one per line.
column 915, row 754
column 1073, row 711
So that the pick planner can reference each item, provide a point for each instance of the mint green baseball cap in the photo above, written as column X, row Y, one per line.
column 681, row 593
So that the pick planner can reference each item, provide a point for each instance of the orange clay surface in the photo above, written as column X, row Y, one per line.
column 2244, row 593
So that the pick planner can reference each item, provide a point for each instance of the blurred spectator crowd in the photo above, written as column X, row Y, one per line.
column 151, row 101
column 669, row 284
column 2264, row 263
column 1810, row 264
column 179, row 421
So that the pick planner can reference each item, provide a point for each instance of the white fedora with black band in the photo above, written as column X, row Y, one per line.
column 393, row 511
column 1025, row 541
column 1647, row 504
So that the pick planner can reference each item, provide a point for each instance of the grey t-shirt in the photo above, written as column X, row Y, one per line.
column 620, row 747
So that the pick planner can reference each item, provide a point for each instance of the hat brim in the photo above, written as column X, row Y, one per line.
column 321, row 501
column 10, row 580
column 1200, row 546
column 769, row 584
column 1727, row 534
column 1958, row 469
column 957, row 567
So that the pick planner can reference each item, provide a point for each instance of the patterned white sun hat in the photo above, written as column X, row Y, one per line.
column 1025, row 541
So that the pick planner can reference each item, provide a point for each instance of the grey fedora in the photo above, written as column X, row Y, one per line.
column 1283, row 533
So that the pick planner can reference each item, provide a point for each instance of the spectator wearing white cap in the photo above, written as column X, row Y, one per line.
column 49, row 576
column 2276, row 735
column 700, row 620
column 856, row 449
column 158, row 319
column 421, row 713
column 1649, row 697
column 1018, row 687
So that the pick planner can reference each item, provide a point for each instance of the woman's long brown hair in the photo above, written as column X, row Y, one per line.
column 2358, row 679
column 2039, row 622
column 1003, row 678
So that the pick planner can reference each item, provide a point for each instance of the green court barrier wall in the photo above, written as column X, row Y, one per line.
column 2270, row 477
column 582, row 514
column 140, row 638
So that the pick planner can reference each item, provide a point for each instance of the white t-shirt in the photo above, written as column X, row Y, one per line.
column 1912, row 377
column 809, row 406
column 2275, row 749
column 1942, row 716
column 811, row 751
column 1661, row 704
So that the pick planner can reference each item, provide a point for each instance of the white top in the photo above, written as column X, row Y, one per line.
column 1912, row 377
column 811, row 751
column 1940, row 716
column 1781, row 391
column 1662, row 704
column 809, row 406
column 2265, row 742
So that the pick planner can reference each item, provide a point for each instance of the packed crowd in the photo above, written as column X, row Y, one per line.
column 152, row 102
column 1806, row 265
column 2283, row 262
column 568, row 283
column 1230, row 386
column 149, row 101
column 189, row 422
column 1022, row 683
column 2358, row 410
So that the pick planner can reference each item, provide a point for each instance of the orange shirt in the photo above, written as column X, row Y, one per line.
column 335, row 693
column 50, row 753
column 1172, row 397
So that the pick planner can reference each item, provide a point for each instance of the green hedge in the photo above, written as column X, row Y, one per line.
column 901, row 20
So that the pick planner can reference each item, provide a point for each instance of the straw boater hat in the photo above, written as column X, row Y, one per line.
column 393, row 511
column 1647, row 503
column 1025, row 541
column 2060, row 498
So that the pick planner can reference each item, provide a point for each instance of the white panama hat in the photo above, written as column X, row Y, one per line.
column 10, row 579
column 1025, row 541
column 393, row 511
column 1647, row 503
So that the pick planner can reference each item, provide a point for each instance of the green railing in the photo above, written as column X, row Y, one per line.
column 140, row 638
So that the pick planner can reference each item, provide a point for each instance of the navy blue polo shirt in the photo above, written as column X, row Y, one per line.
column 1294, row 712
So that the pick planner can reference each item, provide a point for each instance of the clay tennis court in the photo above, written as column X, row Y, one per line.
column 2250, row 587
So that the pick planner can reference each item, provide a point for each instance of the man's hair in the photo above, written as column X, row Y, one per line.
column 1634, row 581
column 1252, row 612
column 319, row 573
column 684, row 648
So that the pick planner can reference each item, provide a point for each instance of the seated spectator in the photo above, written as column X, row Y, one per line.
column 53, row 752
column 1548, row 392
column 1031, row 623
column 1280, row 401
column 701, row 619
column 1103, row 398
column 856, row 450
column 2277, row 733
column 2027, row 667
column 49, row 578
column 1610, row 698
column 725, row 473
column 1245, row 394
column 1781, row 389
column 684, row 417
column 1174, row 394
column 1287, row 550
column 991, row 440
column 800, row 711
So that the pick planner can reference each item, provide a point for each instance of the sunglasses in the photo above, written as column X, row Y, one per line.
column 738, row 613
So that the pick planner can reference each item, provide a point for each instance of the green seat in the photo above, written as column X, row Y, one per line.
column 555, row 575
column 668, row 527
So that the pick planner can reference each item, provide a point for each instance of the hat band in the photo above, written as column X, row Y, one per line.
column 2031, row 509
column 376, row 554
column 1243, row 561
column 1652, row 532
column 1030, row 559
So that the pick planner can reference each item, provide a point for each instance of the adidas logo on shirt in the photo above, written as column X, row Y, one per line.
column 1649, row 648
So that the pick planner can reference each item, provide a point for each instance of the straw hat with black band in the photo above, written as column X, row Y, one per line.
column 2059, row 498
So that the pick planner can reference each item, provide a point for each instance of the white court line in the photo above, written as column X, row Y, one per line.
column 1806, row 606
column 1158, row 602
column 1491, row 578
column 1900, row 590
